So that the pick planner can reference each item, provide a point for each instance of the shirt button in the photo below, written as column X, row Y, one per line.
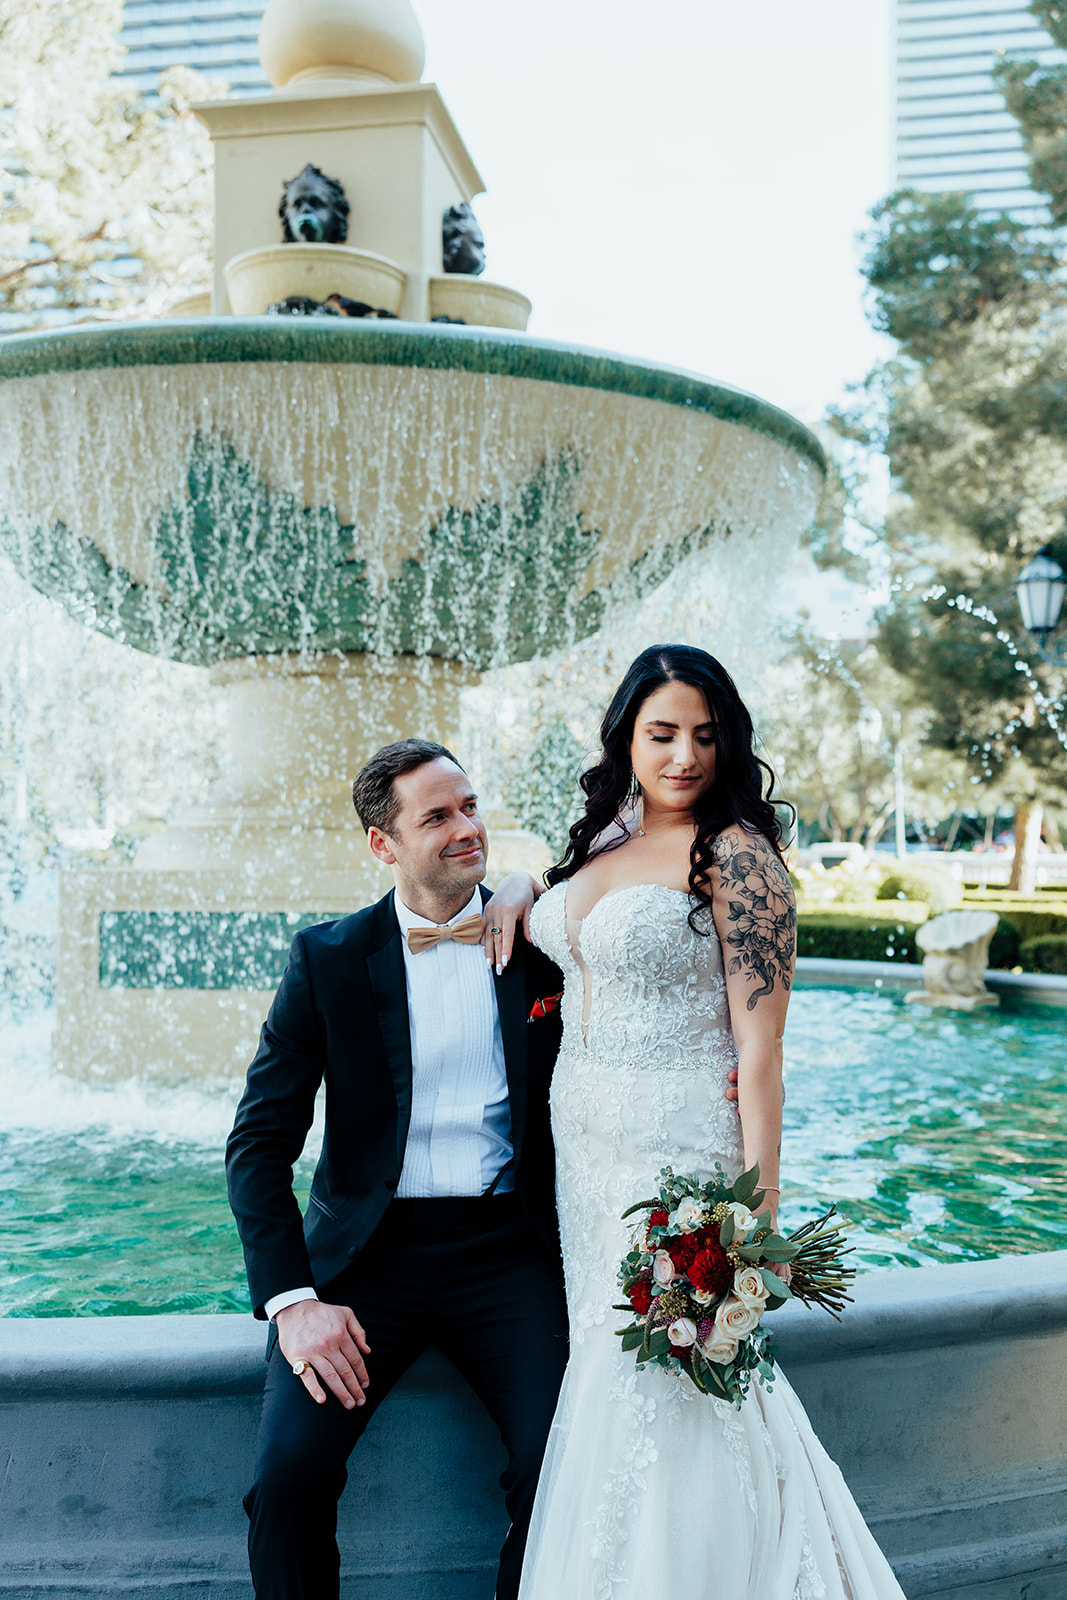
column 353, row 1252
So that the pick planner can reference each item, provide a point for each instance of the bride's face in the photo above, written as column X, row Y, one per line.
column 673, row 748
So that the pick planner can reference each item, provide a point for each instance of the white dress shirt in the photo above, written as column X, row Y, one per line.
column 459, row 1136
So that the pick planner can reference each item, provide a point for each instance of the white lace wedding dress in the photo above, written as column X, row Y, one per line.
column 649, row 1488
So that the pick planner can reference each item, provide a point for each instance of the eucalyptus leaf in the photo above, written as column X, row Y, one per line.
column 745, row 1184
column 632, row 1338
column 659, row 1344
column 776, row 1285
column 727, row 1231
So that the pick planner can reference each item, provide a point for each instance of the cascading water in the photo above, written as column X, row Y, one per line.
column 327, row 533
column 347, row 525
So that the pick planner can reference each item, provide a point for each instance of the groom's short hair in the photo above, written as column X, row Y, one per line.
column 373, row 794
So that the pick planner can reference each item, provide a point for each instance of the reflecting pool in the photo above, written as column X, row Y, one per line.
column 939, row 1135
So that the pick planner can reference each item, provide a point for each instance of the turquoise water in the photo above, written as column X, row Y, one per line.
column 940, row 1136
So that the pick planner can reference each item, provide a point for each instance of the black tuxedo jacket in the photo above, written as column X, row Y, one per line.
column 341, row 1015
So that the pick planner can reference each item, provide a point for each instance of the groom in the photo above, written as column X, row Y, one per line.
column 431, row 1216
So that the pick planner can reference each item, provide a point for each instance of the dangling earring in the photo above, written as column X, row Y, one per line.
column 638, row 801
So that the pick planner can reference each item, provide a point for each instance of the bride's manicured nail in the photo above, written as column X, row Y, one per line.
column 499, row 969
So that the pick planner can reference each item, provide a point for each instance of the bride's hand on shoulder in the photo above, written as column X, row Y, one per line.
column 511, row 904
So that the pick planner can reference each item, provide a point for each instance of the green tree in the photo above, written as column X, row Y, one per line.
column 973, row 417
column 831, row 735
column 1036, row 96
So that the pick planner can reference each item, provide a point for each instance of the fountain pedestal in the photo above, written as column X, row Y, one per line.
column 167, row 968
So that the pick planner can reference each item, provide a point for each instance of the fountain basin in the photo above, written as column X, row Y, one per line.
column 213, row 488
column 348, row 520
column 936, row 1137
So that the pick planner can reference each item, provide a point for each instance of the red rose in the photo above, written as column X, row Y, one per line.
column 710, row 1271
column 640, row 1297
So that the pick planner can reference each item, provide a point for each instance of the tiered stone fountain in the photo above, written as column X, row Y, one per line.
column 344, row 521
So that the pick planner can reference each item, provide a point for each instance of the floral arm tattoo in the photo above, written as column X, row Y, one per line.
column 761, row 913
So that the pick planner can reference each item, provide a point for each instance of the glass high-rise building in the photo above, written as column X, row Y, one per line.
column 217, row 37
column 951, row 127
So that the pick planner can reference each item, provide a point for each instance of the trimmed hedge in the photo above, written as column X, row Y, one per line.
column 1045, row 955
column 841, row 937
column 1030, row 921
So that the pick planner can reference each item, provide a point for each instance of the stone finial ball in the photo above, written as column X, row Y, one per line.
column 370, row 41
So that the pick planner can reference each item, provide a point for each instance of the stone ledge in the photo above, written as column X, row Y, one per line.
column 128, row 1444
column 1048, row 989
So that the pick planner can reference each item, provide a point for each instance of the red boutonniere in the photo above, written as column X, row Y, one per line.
column 542, row 1008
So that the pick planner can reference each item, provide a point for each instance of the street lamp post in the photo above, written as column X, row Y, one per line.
column 1039, row 589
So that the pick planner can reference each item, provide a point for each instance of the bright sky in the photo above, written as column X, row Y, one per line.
column 683, row 181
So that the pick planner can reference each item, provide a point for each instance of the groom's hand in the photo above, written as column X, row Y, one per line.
column 331, row 1339
column 731, row 1086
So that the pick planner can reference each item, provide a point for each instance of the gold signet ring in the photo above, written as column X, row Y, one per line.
column 300, row 1365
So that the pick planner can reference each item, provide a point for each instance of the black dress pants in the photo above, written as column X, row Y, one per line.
column 468, row 1276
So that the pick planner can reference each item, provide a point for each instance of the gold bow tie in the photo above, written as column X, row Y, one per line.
column 469, row 931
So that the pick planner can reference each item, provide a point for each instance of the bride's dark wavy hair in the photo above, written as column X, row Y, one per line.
column 740, row 792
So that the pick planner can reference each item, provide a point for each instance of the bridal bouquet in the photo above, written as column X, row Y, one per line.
column 699, row 1279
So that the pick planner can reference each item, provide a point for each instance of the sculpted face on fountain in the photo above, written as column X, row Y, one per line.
column 462, row 241
column 313, row 209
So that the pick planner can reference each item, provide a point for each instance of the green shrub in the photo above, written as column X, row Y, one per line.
column 1032, row 921
column 926, row 881
column 1004, row 946
column 1045, row 955
column 846, row 938
column 884, row 938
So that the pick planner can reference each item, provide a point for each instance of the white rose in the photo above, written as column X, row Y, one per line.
column 744, row 1221
column 689, row 1214
column 736, row 1319
column 720, row 1347
column 703, row 1297
column 682, row 1332
column 663, row 1268
column 750, row 1288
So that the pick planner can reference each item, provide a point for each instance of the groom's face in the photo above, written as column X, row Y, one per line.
column 437, row 847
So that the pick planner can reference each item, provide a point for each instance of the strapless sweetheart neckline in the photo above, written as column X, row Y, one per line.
column 611, row 893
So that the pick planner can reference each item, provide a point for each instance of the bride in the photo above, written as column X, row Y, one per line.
column 672, row 918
